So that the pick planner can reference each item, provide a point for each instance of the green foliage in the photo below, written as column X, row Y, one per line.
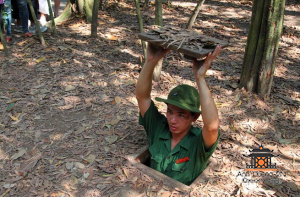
column 4, row 15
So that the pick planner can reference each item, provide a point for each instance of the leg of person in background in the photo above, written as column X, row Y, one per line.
column 32, row 27
column 19, row 22
column 15, row 15
column 24, row 15
column 56, row 4
column 43, row 20
column 7, row 19
column 44, row 10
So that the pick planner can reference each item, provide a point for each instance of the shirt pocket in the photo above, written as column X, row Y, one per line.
column 156, row 157
column 180, row 167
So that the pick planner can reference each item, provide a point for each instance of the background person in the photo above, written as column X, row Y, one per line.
column 7, row 19
column 44, row 10
column 22, row 13
column 56, row 7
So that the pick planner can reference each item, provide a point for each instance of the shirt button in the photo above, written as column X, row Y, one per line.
column 169, row 158
column 181, row 169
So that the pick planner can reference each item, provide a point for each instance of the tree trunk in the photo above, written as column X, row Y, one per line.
column 80, row 4
column 274, row 31
column 65, row 14
column 262, row 46
column 194, row 14
column 88, row 9
column 140, row 20
column 76, row 6
column 37, row 24
column 95, row 18
column 158, row 21
column 158, row 12
column 51, row 17
column 250, row 70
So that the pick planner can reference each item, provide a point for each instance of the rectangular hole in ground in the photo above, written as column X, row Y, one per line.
column 142, row 162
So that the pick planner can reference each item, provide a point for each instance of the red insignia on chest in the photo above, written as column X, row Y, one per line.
column 185, row 159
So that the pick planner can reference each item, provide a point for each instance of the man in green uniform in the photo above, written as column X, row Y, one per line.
column 178, row 149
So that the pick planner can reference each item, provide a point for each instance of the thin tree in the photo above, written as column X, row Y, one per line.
column 95, row 18
column 194, row 14
column 262, row 46
column 88, row 8
column 67, row 12
column 80, row 6
column 51, row 17
column 140, row 20
column 158, row 21
column 158, row 13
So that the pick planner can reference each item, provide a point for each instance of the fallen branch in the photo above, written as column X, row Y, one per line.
column 6, row 192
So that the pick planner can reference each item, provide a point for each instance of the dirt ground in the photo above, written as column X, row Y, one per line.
column 69, row 115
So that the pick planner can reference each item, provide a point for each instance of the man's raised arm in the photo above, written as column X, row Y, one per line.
column 208, row 108
column 144, row 83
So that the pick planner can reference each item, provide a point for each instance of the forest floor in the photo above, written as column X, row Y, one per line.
column 69, row 114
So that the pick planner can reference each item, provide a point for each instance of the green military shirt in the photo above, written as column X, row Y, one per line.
column 173, row 163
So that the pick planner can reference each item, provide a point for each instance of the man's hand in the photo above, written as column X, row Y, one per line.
column 155, row 53
column 200, row 67
column 209, row 111
column 144, row 83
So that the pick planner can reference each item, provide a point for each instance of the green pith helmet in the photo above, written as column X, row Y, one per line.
column 183, row 96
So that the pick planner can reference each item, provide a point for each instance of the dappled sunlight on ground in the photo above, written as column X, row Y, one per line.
column 183, row 4
column 131, row 52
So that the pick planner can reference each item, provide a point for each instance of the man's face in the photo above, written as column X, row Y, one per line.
column 179, row 120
